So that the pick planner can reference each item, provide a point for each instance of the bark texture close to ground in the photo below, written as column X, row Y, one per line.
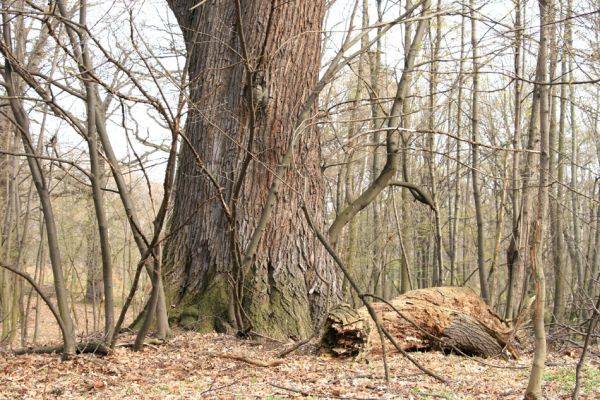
column 444, row 318
column 289, row 280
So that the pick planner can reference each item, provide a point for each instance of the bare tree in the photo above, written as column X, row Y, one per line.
column 483, row 284
column 538, row 132
column 390, row 124
column 14, row 88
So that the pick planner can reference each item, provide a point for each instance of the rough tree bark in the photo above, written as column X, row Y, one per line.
column 252, row 65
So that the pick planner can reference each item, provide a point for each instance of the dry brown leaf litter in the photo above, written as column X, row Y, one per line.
column 196, row 366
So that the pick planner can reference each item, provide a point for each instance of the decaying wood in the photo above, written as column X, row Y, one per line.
column 443, row 318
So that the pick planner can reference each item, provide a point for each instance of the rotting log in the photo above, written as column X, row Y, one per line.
column 442, row 318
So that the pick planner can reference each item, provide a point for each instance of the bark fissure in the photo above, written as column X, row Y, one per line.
column 256, row 268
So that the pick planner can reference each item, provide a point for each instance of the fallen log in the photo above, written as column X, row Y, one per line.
column 442, row 318
column 98, row 348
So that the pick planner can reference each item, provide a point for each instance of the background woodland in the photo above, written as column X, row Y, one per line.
column 458, row 143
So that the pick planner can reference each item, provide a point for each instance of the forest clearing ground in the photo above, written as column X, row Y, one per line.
column 189, row 367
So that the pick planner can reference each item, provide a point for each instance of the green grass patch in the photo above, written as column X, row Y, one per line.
column 437, row 394
column 589, row 381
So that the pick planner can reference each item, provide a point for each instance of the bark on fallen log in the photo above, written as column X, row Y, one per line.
column 443, row 318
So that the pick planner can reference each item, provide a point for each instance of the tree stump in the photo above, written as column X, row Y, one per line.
column 442, row 318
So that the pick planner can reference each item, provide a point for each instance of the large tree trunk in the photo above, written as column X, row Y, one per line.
column 448, row 318
column 289, row 282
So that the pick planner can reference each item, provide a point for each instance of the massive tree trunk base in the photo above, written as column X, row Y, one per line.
column 273, row 314
column 253, row 67
column 443, row 318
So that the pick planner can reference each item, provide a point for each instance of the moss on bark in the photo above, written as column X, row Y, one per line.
column 205, row 311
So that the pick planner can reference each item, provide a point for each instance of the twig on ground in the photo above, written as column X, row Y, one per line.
column 290, row 389
column 301, row 343
column 252, row 361
column 328, row 395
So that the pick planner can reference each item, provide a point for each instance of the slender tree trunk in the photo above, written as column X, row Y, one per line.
column 438, row 265
column 376, row 114
column 390, row 124
column 540, row 121
column 492, row 279
column 457, row 173
column 557, row 146
column 22, row 120
column 96, row 179
column 595, row 263
column 578, row 261
column 514, row 262
column 353, row 236
column 10, row 222
column 405, row 283
column 475, row 159
column 593, row 288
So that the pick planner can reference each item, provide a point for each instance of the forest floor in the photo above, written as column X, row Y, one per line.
column 212, row 366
